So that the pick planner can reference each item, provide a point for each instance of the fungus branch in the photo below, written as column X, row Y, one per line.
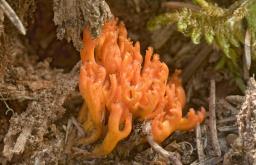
column 114, row 80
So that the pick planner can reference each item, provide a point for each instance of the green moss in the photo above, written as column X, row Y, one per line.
column 223, row 26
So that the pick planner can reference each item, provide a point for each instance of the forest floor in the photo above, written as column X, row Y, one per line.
column 39, row 96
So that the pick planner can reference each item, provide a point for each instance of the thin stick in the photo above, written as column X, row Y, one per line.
column 235, row 99
column 76, row 68
column 228, row 129
column 199, row 145
column 212, row 119
column 195, row 64
column 68, row 130
column 225, row 104
column 226, row 120
column 178, row 5
column 80, row 130
column 169, row 155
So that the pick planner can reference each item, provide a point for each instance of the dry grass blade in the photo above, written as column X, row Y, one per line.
column 247, row 49
column 247, row 54
column 12, row 16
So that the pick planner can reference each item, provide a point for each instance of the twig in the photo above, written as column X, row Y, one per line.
column 70, row 141
column 12, row 16
column 68, row 129
column 235, row 99
column 197, row 61
column 78, row 127
column 199, row 145
column 71, row 133
column 209, row 161
column 75, row 69
column 169, row 155
column 212, row 119
column 228, row 129
column 78, row 152
column 227, row 106
column 175, row 5
column 137, row 5
column 9, row 109
column 226, row 120
column 17, row 98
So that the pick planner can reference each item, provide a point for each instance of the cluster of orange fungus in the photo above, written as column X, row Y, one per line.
column 117, row 86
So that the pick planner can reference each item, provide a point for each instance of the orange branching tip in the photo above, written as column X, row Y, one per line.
column 117, row 85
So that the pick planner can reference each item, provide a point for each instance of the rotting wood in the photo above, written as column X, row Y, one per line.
column 247, row 123
column 20, row 144
column 10, row 149
column 243, row 146
column 71, row 16
column 39, row 114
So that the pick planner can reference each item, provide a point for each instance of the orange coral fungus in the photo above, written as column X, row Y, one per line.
column 117, row 85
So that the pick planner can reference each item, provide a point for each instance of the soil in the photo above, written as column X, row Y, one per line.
column 39, row 95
